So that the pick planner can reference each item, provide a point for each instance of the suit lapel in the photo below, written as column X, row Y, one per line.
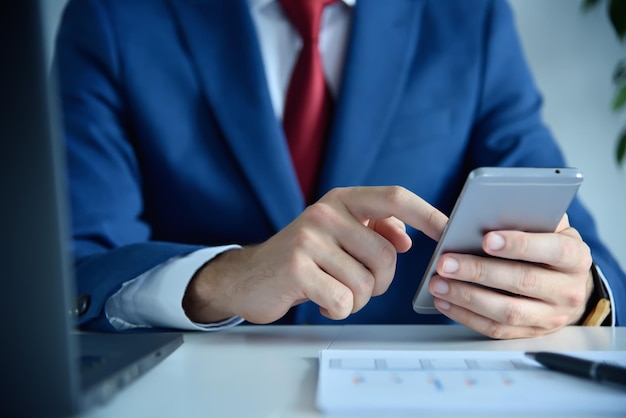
column 382, row 44
column 221, row 40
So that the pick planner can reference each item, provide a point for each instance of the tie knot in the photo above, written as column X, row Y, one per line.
column 305, row 15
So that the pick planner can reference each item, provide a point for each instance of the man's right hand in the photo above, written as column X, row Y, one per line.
column 338, row 253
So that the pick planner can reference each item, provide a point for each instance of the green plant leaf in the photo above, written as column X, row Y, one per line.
column 620, row 151
column 617, row 14
column 620, row 97
column 589, row 4
column 619, row 74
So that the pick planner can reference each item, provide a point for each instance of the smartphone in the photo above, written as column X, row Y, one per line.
column 500, row 198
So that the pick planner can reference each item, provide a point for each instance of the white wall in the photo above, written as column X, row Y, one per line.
column 572, row 55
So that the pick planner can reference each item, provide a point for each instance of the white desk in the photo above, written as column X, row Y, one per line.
column 271, row 371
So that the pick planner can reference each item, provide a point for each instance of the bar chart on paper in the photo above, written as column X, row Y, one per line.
column 352, row 380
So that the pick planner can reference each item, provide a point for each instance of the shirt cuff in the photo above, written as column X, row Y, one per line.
column 154, row 299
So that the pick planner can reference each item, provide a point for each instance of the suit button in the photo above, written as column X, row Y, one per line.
column 82, row 304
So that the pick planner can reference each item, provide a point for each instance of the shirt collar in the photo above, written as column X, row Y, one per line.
column 259, row 4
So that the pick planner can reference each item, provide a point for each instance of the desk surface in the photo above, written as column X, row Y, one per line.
column 271, row 371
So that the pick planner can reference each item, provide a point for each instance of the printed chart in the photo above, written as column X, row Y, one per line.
column 456, row 380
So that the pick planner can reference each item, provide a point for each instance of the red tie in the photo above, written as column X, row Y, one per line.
column 308, row 104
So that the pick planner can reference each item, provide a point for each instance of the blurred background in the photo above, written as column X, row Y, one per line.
column 573, row 55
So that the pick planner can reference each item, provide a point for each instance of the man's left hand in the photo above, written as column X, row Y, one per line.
column 546, row 276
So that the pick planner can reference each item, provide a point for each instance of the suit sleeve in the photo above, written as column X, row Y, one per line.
column 110, row 242
column 510, row 132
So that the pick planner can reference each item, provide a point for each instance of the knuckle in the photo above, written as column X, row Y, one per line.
column 304, row 238
column 294, row 266
column 568, row 251
column 365, row 284
column 575, row 253
column 479, row 272
column 496, row 331
column 381, row 270
column 396, row 194
column 319, row 213
column 559, row 321
column 532, row 332
column 576, row 297
column 432, row 215
column 387, row 255
column 522, row 242
column 514, row 314
column 334, row 193
column 528, row 281
column 466, row 296
column 340, row 306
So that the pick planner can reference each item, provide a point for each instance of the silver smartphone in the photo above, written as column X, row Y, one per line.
column 500, row 198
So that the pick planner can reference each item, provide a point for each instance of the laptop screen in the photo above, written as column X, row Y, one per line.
column 34, row 265
column 40, row 355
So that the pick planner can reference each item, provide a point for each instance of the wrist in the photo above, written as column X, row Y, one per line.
column 205, row 299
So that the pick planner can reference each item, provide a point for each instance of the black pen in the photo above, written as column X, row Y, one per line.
column 594, row 370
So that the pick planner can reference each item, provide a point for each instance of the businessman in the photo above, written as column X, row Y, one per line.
column 293, row 161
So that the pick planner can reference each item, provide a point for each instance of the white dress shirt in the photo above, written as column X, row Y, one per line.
column 154, row 299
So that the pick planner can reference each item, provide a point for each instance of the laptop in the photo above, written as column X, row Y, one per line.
column 47, row 367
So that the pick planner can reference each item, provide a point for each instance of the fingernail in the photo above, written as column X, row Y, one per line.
column 442, row 304
column 440, row 287
column 495, row 242
column 450, row 265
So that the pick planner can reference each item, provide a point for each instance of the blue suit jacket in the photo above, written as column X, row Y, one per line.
column 173, row 143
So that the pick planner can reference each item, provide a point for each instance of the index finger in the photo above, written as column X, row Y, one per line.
column 377, row 202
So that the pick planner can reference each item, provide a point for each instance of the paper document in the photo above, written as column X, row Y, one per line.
column 477, row 381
